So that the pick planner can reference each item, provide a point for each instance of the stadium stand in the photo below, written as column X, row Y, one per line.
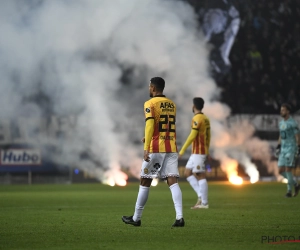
column 265, row 57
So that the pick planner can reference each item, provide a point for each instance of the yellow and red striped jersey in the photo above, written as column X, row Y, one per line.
column 163, row 111
column 201, row 143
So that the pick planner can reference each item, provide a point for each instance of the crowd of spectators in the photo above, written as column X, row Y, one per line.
column 265, row 58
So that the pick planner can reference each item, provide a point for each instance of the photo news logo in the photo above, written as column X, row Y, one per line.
column 279, row 239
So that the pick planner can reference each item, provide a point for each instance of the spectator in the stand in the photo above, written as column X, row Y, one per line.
column 285, row 12
column 272, row 13
column 252, row 98
column 258, row 22
column 279, row 99
column 265, row 83
column 284, row 7
column 287, row 43
column 254, row 57
column 280, row 88
column 277, row 38
column 292, row 99
column 296, row 32
column 270, row 103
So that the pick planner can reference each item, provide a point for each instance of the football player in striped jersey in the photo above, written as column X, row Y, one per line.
column 200, row 139
column 160, row 151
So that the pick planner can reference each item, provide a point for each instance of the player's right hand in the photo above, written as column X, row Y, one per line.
column 143, row 140
column 277, row 151
column 146, row 156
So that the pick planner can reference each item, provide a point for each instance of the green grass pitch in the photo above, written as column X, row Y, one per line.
column 88, row 216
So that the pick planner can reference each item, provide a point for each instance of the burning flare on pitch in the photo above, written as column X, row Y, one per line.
column 115, row 177
column 230, row 167
column 236, row 180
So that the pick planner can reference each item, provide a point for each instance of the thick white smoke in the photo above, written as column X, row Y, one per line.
column 68, row 58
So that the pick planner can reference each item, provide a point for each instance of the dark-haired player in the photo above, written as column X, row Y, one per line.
column 160, row 151
column 195, row 168
column 288, row 148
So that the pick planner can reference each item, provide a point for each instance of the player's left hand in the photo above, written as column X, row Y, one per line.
column 146, row 156
column 277, row 150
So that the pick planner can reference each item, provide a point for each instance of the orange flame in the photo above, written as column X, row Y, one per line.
column 230, row 167
column 115, row 177
column 236, row 180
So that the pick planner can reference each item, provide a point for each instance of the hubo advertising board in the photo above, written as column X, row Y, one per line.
column 31, row 144
column 20, row 157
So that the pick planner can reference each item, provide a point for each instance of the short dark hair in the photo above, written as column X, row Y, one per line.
column 158, row 82
column 287, row 106
column 198, row 102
